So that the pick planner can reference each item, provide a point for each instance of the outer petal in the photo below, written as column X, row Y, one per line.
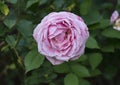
column 54, row 61
column 117, row 28
column 79, row 53
column 36, row 30
column 114, row 16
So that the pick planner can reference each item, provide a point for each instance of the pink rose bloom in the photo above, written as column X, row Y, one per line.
column 114, row 16
column 61, row 36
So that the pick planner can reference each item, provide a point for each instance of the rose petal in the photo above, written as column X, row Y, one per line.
column 116, row 28
column 54, row 61
column 114, row 16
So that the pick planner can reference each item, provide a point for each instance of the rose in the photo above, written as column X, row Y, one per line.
column 114, row 16
column 61, row 36
column 114, row 19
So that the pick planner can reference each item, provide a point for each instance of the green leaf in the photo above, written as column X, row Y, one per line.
column 92, row 43
column 10, row 20
column 9, row 23
column 30, row 3
column 33, row 60
column 118, row 2
column 80, row 70
column 10, row 40
column 85, row 6
column 62, row 68
column 58, row 3
column 92, row 17
column 71, row 7
column 104, row 23
column 42, row 2
column 108, row 48
column 101, row 25
column 111, row 33
column 4, row 9
column 2, row 30
column 95, row 59
column 81, row 58
column 84, row 82
column 25, row 27
column 71, row 79
column 12, row 1
column 95, row 72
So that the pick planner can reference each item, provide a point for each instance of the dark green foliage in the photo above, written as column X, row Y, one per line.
column 20, row 62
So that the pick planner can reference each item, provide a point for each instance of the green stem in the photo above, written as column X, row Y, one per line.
column 16, row 52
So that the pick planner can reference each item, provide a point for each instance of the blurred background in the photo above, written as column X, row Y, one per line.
column 100, row 65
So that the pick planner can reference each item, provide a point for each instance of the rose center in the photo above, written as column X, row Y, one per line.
column 60, row 37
